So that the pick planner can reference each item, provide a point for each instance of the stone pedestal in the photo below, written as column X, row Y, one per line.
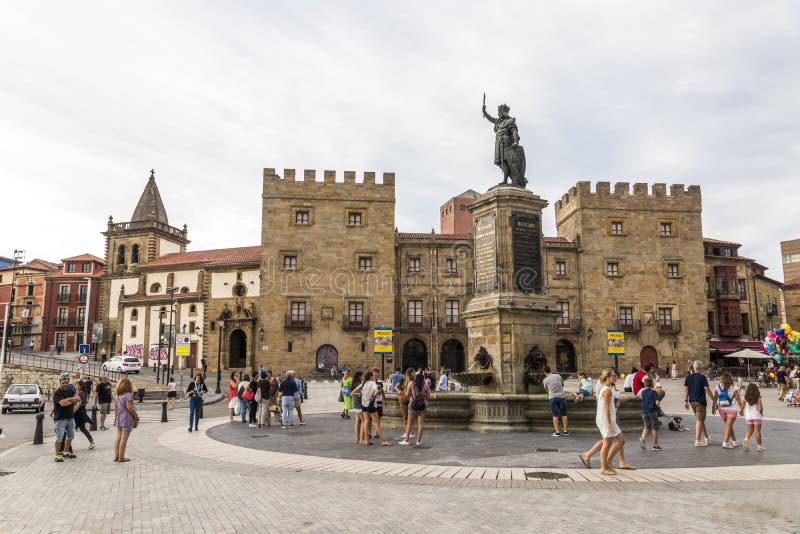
column 509, row 315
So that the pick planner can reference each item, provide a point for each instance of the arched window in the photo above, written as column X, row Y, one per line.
column 121, row 255
column 134, row 314
column 135, row 254
column 155, row 288
column 192, row 309
column 184, row 289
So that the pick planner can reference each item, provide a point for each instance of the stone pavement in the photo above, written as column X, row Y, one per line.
column 181, row 482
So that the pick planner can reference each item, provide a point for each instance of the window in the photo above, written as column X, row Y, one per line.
column 239, row 290
column 451, row 266
column 192, row 326
column 562, row 321
column 451, row 312
column 155, row 288
column 355, row 313
column 86, row 268
column 121, row 255
column 462, row 207
column 290, row 263
column 711, row 329
column 192, row 309
column 81, row 315
column 364, row 263
column 301, row 217
column 61, row 338
column 83, row 290
column 742, row 289
column 413, row 265
column 666, row 228
column 238, row 277
column 63, row 293
column 289, row 347
column 616, row 228
column 135, row 254
column 30, row 289
column 708, row 287
column 665, row 318
column 363, row 346
column 745, row 324
column 561, row 268
column 62, row 316
column 726, row 252
column 298, row 312
column 672, row 270
column 415, row 312
column 133, row 330
column 354, row 218
column 70, row 267
column 625, row 314
column 134, row 314
column 612, row 268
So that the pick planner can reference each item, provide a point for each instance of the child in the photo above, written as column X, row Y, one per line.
column 650, row 405
column 753, row 411
column 584, row 387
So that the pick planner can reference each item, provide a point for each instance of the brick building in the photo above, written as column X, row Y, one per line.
column 456, row 218
column 28, row 280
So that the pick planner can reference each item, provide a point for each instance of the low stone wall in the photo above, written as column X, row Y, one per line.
column 48, row 379
column 508, row 413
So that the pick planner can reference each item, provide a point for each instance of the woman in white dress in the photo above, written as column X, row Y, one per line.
column 606, row 420
column 674, row 369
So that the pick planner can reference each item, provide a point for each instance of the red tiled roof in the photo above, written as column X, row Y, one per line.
column 793, row 282
column 556, row 240
column 220, row 256
column 86, row 257
column 425, row 235
column 718, row 242
column 36, row 264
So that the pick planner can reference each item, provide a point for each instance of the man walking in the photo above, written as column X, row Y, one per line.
column 695, row 390
column 554, row 385
column 103, row 355
column 298, row 399
column 102, row 399
column 64, row 401
column 204, row 363
column 288, row 388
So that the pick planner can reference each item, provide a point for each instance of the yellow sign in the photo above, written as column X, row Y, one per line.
column 182, row 350
column 616, row 343
column 383, row 340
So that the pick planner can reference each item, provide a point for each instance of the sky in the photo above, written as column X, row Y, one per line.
column 95, row 94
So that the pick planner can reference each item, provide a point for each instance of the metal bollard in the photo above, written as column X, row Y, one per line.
column 93, row 424
column 38, row 434
column 164, row 412
column 305, row 390
column 140, row 394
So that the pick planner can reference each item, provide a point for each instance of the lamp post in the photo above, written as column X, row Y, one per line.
column 221, row 325
column 171, row 291
column 160, row 337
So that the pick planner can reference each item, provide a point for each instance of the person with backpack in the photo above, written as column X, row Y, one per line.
column 418, row 392
column 263, row 395
column 245, row 395
column 726, row 401
column 253, row 403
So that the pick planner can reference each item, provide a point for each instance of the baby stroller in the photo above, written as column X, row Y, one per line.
column 792, row 398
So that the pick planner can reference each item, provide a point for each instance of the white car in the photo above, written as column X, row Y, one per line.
column 122, row 364
column 23, row 397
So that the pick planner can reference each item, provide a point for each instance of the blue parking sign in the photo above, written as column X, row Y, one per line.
column 84, row 348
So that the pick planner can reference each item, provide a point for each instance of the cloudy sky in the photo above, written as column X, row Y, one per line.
column 94, row 95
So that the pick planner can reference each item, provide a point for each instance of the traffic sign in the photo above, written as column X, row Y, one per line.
column 84, row 348
column 83, row 358
column 182, row 344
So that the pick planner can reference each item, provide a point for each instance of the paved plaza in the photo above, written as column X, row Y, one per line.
column 226, row 478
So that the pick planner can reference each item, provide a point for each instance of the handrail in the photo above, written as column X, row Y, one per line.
column 59, row 364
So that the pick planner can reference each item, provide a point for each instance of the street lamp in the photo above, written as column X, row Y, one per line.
column 171, row 291
column 221, row 325
column 160, row 337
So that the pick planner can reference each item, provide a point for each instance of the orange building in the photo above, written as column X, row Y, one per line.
column 455, row 215
column 28, row 280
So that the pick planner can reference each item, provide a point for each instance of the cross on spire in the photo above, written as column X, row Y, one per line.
column 152, row 174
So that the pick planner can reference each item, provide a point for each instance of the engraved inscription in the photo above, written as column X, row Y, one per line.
column 485, row 254
column 526, row 242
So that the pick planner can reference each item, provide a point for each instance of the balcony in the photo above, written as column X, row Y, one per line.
column 629, row 326
column 65, row 321
column 63, row 298
column 355, row 322
column 730, row 330
column 81, row 299
column 573, row 325
column 669, row 327
column 416, row 323
column 729, row 293
column 451, row 323
column 297, row 322
column 771, row 308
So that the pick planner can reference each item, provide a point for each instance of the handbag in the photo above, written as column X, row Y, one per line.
column 341, row 397
column 136, row 421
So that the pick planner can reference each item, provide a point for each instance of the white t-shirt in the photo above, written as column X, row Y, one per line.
column 368, row 392
column 731, row 395
column 171, row 386
column 628, row 384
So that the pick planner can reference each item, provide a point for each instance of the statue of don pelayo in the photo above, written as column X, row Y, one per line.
column 508, row 153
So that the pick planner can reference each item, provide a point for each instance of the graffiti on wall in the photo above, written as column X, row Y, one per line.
column 137, row 351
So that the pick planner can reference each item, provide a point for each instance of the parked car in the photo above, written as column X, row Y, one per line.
column 122, row 364
column 23, row 397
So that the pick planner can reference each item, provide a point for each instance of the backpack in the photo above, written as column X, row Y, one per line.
column 418, row 404
column 724, row 398
column 248, row 394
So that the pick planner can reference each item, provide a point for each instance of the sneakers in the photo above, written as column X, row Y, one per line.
column 565, row 433
column 578, row 399
column 746, row 444
column 643, row 444
column 59, row 459
column 251, row 425
column 91, row 445
column 283, row 426
column 656, row 447
column 703, row 443
column 404, row 442
column 103, row 428
column 734, row 443
column 69, row 455
column 190, row 429
column 726, row 445
column 302, row 423
column 555, row 434
column 419, row 443
column 760, row 448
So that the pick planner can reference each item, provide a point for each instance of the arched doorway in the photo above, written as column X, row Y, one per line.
column 453, row 355
column 565, row 357
column 328, row 356
column 237, row 350
column 415, row 354
column 648, row 355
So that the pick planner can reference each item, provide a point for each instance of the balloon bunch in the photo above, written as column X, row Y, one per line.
column 782, row 341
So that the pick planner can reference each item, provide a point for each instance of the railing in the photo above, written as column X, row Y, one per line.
column 295, row 321
column 730, row 330
column 629, row 326
column 415, row 323
column 669, row 327
column 573, row 325
column 63, row 299
column 61, row 365
column 451, row 323
column 729, row 293
column 81, row 299
column 65, row 321
column 355, row 323
column 143, row 225
column 772, row 309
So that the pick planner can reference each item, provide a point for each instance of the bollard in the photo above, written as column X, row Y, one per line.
column 38, row 434
column 140, row 394
column 93, row 424
column 305, row 390
column 164, row 412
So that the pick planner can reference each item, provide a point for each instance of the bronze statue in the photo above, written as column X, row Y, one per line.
column 508, row 153
column 535, row 363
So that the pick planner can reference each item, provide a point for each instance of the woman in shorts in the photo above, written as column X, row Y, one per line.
column 726, row 400
column 403, row 400
column 369, row 401
column 172, row 393
column 418, row 392
column 125, row 417
column 355, row 393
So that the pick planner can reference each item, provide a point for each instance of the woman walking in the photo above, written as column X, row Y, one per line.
column 81, row 417
column 403, row 400
column 355, row 394
column 347, row 384
column 418, row 391
column 613, row 441
column 753, row 412
column 125, row 418
column 369, row 400
column 172, row 393
column 726, row 400
column 233, row 399
column 195, row 392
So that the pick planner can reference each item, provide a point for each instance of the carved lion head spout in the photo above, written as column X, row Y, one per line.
column 482, row 358
column 535, row 361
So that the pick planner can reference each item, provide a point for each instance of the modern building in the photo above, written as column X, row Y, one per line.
column 456, row 218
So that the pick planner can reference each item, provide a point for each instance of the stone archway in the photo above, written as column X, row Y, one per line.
column 237, row 350
column 415, row 354
column 566, row 362
column 328, row 356
column 648, row 355
column 453, row 356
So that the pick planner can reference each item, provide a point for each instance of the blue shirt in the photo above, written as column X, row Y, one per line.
column 697, row 382
column 395, row 379
column 649, row 398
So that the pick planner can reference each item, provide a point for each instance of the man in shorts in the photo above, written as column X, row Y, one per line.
column 695, row 390
column 102, row 399
column 64, row 401
column 554, row 385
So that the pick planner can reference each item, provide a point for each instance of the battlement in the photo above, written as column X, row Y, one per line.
column 643, row 196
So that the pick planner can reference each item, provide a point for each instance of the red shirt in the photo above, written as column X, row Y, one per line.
column 637, row 381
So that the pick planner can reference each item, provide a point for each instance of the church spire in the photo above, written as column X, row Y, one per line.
column 150, row 206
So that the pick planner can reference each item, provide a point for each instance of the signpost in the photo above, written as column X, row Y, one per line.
column 97, row 337
column 182, row 348
column 383, row 344
column 616, row 346
column 84, row 349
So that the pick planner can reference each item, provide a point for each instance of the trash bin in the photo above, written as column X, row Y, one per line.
column 140, row 394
